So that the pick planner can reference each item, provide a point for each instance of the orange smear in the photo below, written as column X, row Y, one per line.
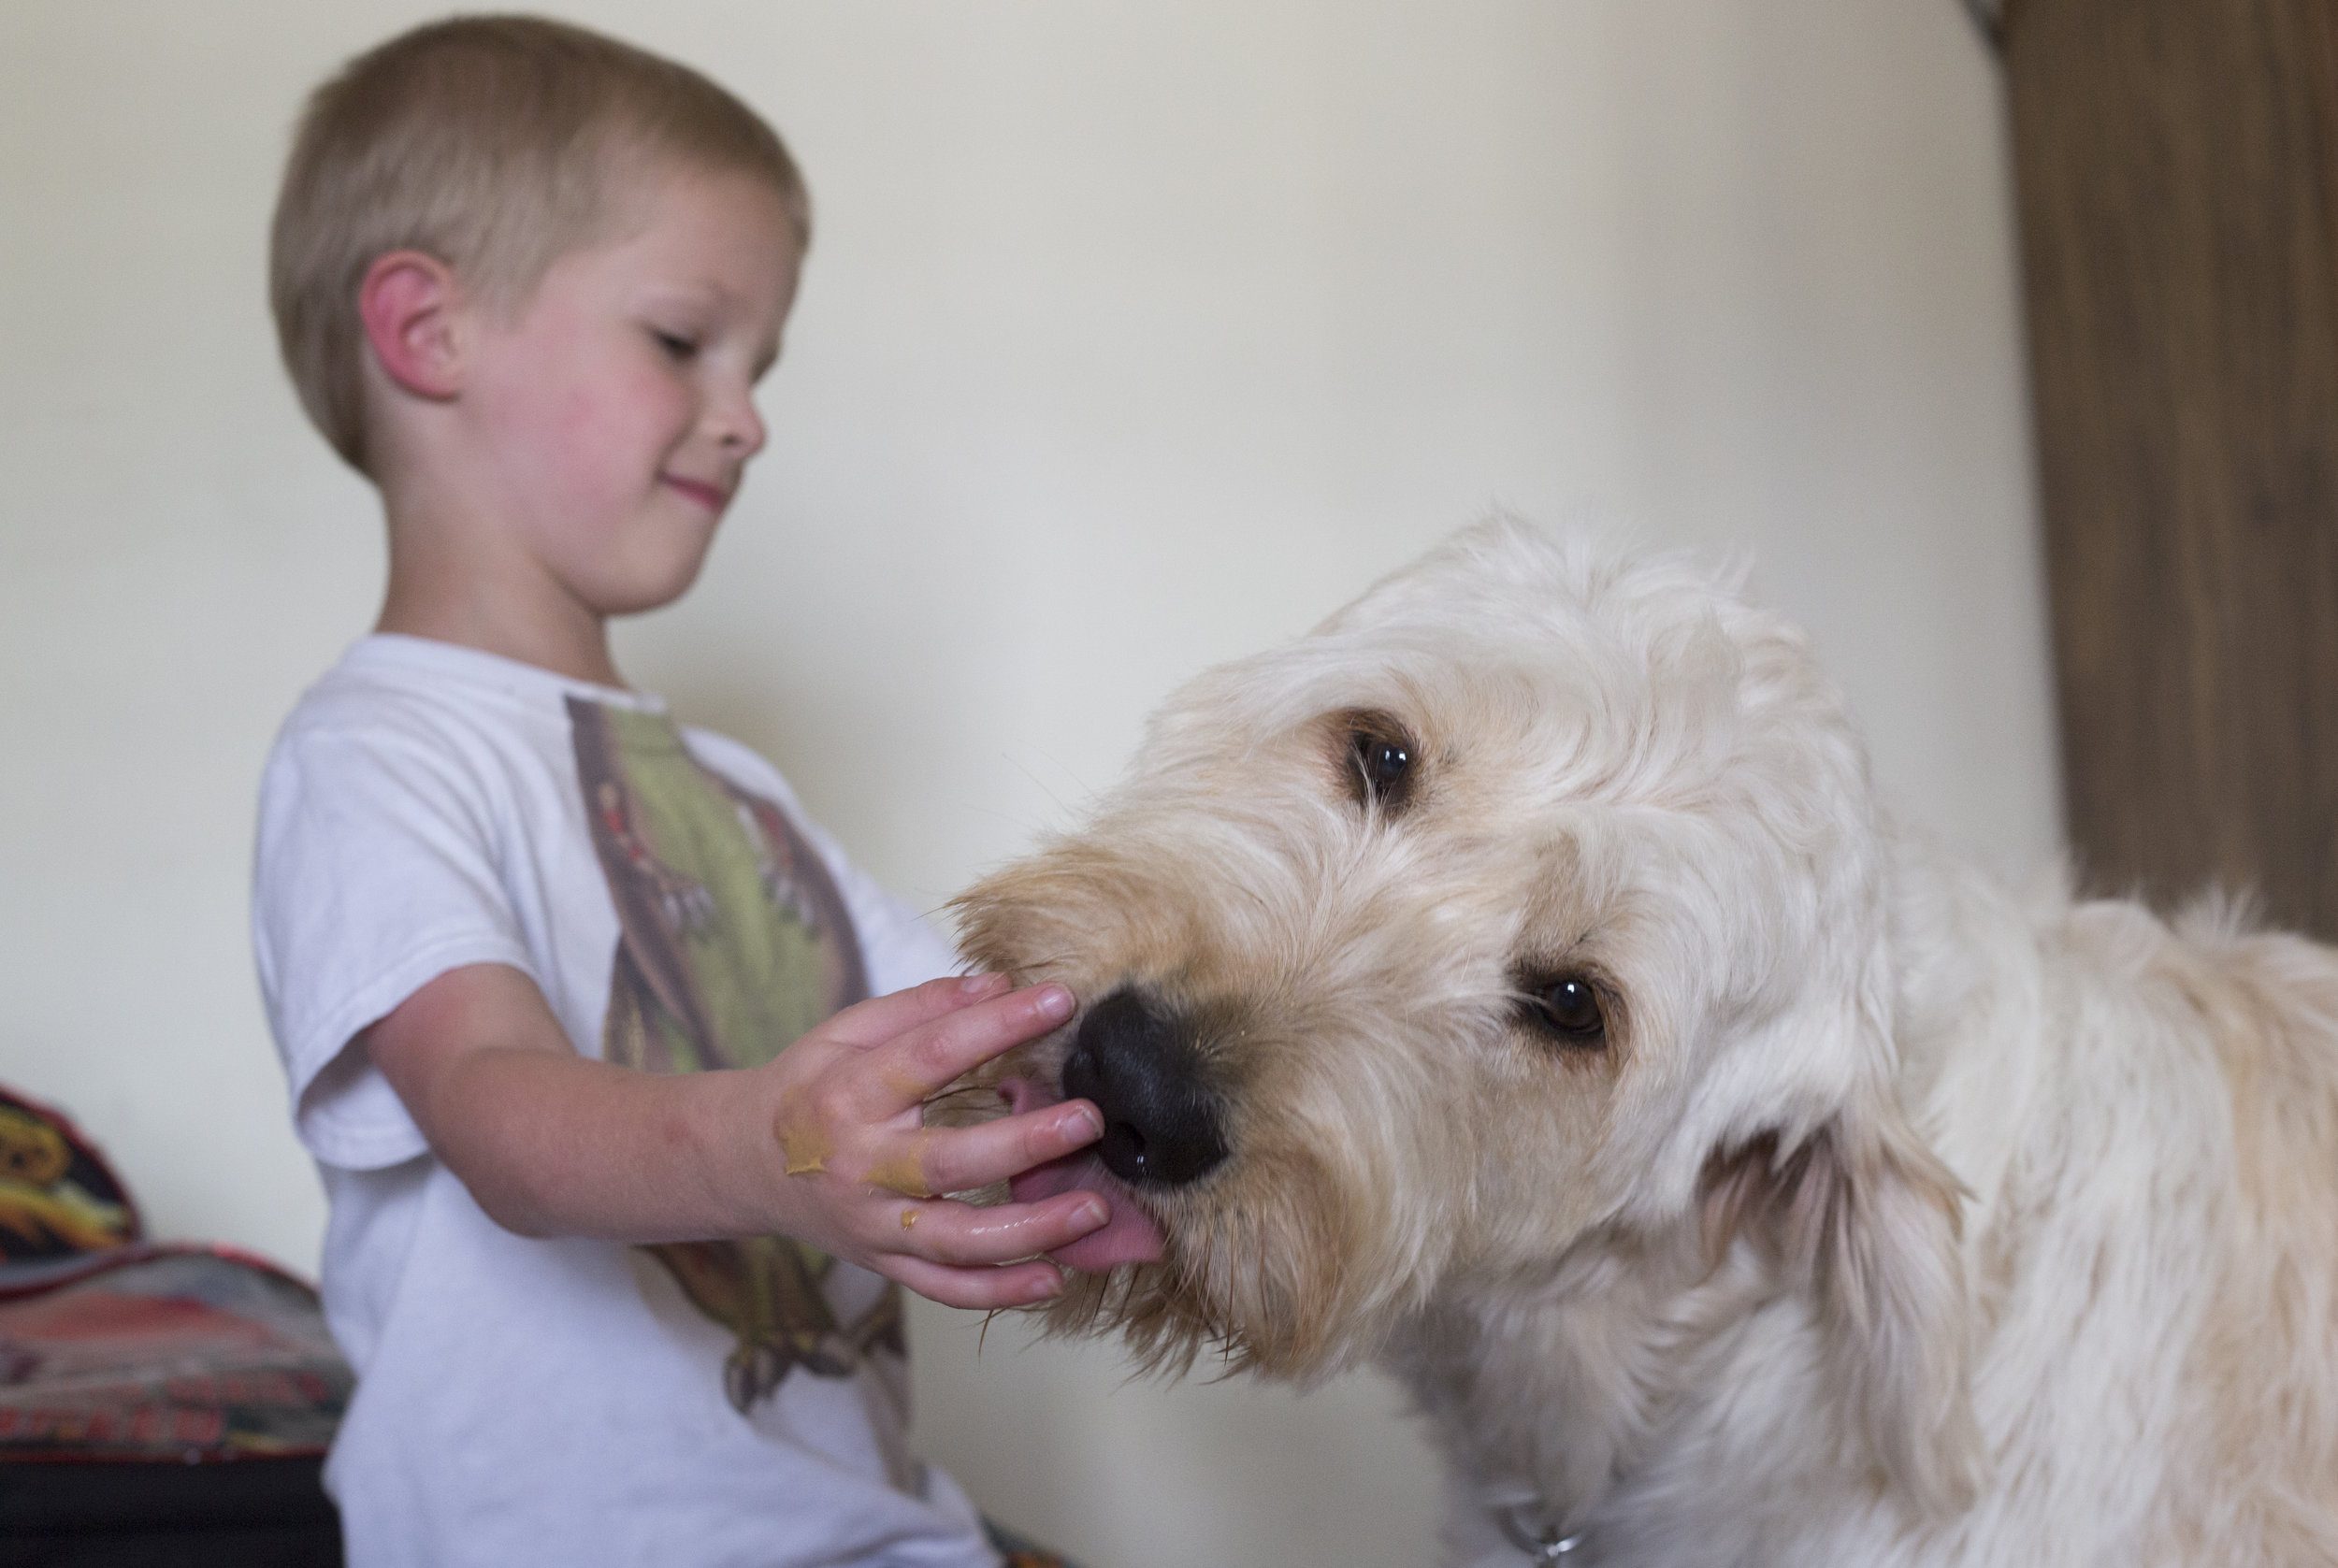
column 805, row 1145
column 906, row 1173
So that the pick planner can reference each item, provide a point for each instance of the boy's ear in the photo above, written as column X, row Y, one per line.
column 410, row 303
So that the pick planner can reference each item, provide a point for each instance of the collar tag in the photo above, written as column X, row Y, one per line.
column 1540, row 1542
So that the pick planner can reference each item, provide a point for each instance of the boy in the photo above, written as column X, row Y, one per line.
column 625, row 1309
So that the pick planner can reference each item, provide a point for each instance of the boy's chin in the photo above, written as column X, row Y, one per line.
column 653, row 588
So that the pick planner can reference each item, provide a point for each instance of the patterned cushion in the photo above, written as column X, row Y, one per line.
column 58, row 1197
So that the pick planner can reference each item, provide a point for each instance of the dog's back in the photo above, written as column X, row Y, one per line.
column 2218, row 1300
column 2148, row 1121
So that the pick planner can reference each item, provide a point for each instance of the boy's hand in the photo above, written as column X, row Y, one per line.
column 551, row 1145
column 863, row 1168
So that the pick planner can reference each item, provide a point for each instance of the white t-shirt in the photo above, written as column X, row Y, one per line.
column 428, row 806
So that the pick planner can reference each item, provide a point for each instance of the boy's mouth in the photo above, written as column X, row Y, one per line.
column 707, row 495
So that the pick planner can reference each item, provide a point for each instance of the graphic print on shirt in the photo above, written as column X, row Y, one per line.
column 733, row 942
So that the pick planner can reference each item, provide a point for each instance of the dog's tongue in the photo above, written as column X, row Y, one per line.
column 1130, row 1236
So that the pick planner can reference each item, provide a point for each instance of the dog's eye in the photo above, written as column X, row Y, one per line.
column 1384, row 762
column 1379, row 756
column 1568, row 1008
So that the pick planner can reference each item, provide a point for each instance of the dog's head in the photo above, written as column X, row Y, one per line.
column 1534, row 899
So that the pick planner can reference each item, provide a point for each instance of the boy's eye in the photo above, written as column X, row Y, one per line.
column 675, row 345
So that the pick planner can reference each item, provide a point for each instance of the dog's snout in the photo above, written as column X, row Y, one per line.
column 1142, row 1065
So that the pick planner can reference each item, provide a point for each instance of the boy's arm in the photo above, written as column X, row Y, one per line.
column 552, row 1144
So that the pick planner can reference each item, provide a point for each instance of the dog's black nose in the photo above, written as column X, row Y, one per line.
column 1140, row 1064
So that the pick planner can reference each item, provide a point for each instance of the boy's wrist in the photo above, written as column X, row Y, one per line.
column 741, row 1166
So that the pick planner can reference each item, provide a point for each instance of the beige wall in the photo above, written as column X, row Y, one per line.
column 1137, row 336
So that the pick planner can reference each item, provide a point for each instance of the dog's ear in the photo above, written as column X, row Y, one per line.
column 1867, row 1219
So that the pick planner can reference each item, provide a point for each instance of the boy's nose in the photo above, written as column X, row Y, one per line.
column 738, row 426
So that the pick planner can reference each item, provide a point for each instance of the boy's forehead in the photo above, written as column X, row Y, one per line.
column 719, row 234
column 640, row 190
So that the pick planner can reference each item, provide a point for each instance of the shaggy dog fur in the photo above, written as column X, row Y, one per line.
column 1511, row 984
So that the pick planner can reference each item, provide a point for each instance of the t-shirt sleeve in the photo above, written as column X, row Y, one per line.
column 375, row 872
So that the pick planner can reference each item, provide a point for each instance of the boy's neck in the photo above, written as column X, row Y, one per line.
column 437, row 591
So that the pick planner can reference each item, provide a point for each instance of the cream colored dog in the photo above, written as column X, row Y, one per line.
column 1511, row 984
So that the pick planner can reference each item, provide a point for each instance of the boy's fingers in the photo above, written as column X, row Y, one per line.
column 979, row 1289
column 882, row 1018
column 963, row 1158
column 926, row 1161
column 928, row 1060
column 964, row 1236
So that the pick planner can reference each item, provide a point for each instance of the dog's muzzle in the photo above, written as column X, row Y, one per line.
column 1141, row 1063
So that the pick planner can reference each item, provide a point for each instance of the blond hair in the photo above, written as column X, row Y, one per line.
column 490, row 143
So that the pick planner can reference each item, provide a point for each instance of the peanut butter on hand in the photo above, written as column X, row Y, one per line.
column 906, row 1173
column 805, row 1146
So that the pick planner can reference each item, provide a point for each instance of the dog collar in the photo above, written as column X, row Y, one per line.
column 1523, row 1527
